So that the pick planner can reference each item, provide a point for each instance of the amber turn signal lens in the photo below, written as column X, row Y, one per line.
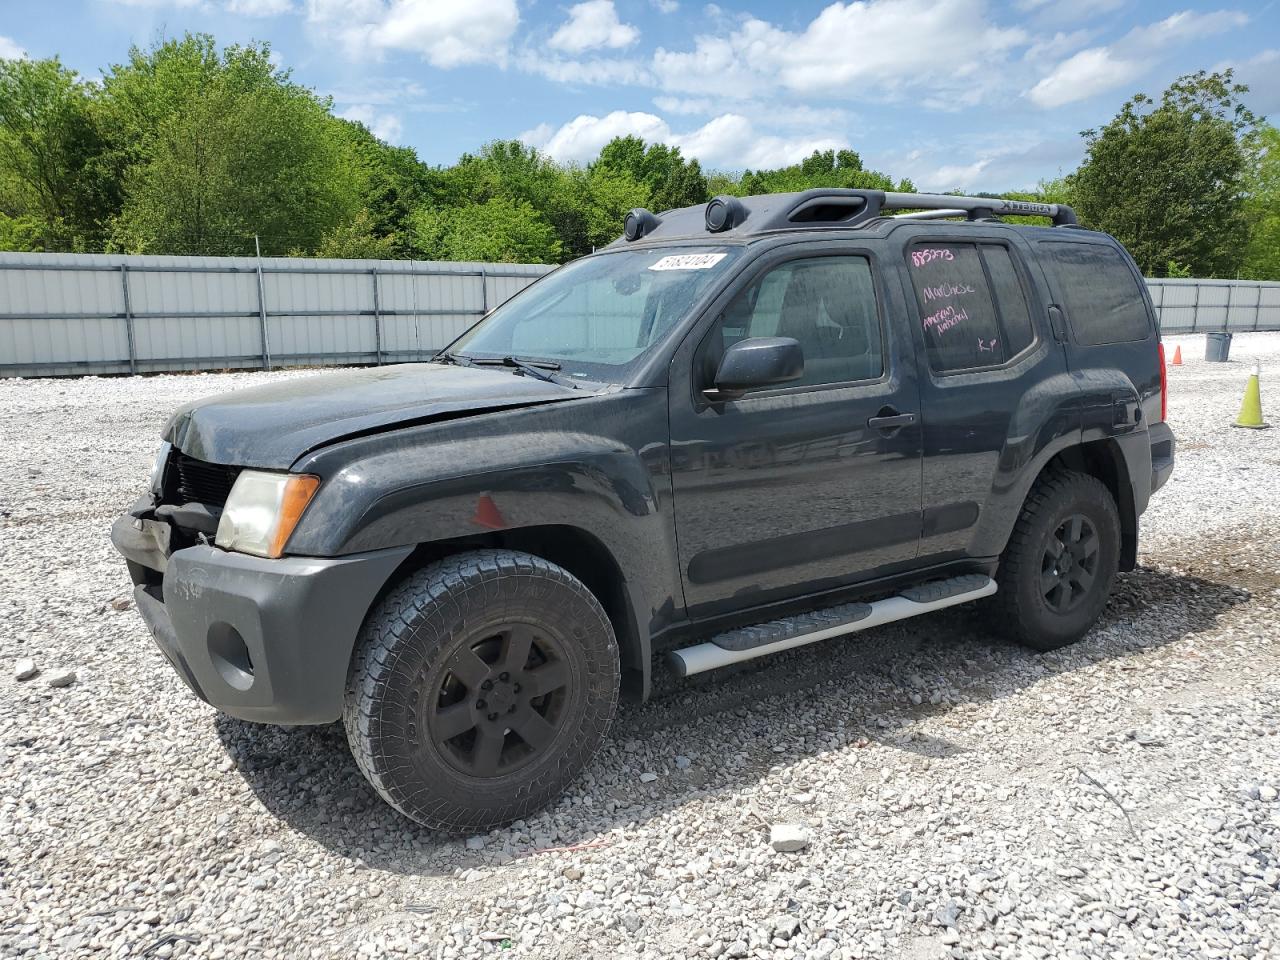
column 298, row 491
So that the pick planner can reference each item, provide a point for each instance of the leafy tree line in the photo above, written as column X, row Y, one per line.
column 186, row 148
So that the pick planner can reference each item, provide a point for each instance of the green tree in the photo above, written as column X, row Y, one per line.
column 358, row 239
column 390, row 182
column 822, row 168
column 1168, row 180
column 672, row 181
column 605, row 196
column 21, row 233
column 215, row 147
column 1262, row 208
column 499, row 230
column 49, row 148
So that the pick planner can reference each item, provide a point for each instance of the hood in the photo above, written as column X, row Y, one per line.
column 273, row 425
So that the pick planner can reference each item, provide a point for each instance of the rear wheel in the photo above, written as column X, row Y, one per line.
column 479, row 689
column 1057, row 570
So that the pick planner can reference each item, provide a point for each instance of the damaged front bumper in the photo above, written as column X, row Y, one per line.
column 263, row 640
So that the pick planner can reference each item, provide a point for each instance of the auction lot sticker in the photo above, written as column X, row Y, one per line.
column 688, row 261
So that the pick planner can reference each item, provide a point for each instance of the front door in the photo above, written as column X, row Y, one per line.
column 810, row 485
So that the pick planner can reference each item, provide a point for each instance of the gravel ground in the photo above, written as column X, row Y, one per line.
column 959, row 797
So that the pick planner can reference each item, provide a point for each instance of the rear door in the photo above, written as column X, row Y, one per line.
column 992, row 380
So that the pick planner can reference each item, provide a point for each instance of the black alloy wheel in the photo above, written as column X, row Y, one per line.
column 1070, row 563
column 501, row 702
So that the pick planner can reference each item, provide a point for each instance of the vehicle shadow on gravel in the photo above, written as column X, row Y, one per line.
column 878, row 685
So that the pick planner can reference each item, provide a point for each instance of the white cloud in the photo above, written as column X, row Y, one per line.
column 685, row 106
column 790, row 115
column 260, row 8
column 158, row 3
column 1099, row 69
column 592, row 25
column 592, row 72
column 665, row 6
column 9, row 50
column 445, row 33
column 885, row 48
column 729, row 141
column 384, row 126
column 1075, row 12
column 1003, row 162
column 956, row 176
column 1087, row 73
column 243, row 8
column 1185, row 26
column 387, row 91
column 581, row 138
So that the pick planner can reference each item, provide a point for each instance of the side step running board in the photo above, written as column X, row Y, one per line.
column 775, row 636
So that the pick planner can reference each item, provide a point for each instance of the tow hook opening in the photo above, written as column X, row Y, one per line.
column 230, row 655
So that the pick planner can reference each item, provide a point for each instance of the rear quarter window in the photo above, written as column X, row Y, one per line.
column 1104, row 303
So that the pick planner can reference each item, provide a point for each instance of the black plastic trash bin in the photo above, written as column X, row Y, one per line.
column 1217, row 347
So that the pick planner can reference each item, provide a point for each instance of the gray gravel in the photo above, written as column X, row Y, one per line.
column 959, row 797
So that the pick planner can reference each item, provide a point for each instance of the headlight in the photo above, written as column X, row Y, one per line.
column 262, row 511
column 157, row 469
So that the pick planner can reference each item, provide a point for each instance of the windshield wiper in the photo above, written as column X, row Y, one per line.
column 453, row 358
column 538, row 369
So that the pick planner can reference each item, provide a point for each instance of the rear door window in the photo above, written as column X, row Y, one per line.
column 973, row 305
column 1103, row 300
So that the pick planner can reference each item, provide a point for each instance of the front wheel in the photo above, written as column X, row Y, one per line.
column 480, row 687
column 1057, row 570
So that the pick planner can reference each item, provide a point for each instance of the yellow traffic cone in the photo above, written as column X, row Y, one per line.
column 1251, row 409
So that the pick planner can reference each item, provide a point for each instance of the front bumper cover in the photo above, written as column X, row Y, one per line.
column 263, row 640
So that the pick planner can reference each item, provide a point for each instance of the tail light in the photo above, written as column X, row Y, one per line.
column 1164, row 386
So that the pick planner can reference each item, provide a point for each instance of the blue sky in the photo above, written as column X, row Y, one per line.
column 973, row 94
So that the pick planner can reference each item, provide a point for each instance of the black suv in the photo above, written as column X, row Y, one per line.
column 742, row 427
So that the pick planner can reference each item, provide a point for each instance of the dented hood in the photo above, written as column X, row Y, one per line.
column 272, row 425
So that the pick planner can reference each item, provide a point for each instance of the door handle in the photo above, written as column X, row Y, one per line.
column 891, row 421
column 1058, row 324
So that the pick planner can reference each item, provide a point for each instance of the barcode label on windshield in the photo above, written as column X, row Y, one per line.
column 688, row 261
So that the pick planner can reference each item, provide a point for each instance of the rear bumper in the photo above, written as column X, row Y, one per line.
column 262, row 640
column 1162, row 454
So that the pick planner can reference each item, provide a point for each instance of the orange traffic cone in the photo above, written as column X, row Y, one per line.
column 1177, row 356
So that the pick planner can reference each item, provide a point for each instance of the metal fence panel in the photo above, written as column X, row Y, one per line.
column 63, row 314
column 66, row 314
column 1206, row 306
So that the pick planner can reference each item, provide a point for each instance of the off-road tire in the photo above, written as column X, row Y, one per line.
column 402, row 666
column 1020, row 609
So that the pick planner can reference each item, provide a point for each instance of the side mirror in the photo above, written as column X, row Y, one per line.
column 754, row 363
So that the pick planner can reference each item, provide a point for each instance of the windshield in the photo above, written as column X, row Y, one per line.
column 596, row 316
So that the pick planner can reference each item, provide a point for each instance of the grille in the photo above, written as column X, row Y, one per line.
column 189, row 480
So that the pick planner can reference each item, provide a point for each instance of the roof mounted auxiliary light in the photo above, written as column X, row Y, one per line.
column 639, row 222
column 725, row 213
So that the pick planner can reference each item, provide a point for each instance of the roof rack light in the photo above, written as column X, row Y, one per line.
column 639, row 222
column 724, row 213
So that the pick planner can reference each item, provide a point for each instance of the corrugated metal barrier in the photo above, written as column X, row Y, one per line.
column 66, row 314
column 1216, row 306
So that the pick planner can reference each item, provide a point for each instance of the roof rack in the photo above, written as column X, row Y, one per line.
column 934, row 206
column 832, row 207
